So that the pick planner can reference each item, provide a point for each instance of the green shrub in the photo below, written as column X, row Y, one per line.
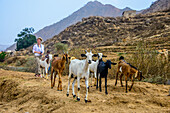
column 61, row 47
column 2, row 56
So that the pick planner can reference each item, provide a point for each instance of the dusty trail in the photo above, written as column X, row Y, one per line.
column 22, row 92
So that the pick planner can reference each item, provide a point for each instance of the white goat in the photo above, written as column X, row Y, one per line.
column 93, row 67
column 45, row 64
column 80, row 69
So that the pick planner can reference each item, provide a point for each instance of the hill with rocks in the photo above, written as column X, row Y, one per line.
column 99, row 31
column 158, row 5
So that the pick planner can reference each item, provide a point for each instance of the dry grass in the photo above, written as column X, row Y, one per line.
column 154, row 69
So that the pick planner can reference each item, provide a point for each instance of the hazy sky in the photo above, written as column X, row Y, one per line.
column 15, row 15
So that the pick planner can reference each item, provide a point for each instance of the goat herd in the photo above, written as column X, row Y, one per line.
column 83, row 68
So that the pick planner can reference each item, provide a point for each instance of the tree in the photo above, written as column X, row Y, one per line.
column 2, row 56
column 26, row 38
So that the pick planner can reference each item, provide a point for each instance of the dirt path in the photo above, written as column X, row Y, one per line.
column 22, row 92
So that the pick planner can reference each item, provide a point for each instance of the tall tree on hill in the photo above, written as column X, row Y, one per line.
column 26, row 38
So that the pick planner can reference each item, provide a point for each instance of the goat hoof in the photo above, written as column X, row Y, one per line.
column 87, row 100
column 51, row 87
column 67, row 95
column 126, row 91
column 78, row 99
column 74, row 96
column 59, row 90
column 106, row 93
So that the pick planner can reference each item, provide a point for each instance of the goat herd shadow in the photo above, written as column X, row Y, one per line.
column 110, row 87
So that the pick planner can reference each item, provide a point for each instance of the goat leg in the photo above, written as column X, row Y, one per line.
column 97, row 80
column 54, row 79
column 106, row 84
column 100, row 82
column 116, row 78
column 78, row 84
column 59, row 83
column 126, row 82
column 121, row 80
column 73, row 87
column 132, row 83
column 87, row 87
column 69, row 78
column 52, row 71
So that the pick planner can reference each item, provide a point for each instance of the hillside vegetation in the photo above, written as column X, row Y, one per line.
column 91, row 32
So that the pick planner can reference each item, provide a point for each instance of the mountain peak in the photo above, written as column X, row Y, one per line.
column 127, row 8
column 92, row 8
column 96, row 3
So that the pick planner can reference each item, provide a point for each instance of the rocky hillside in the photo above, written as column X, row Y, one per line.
column 107, row 31
column 90, row 9
column 159, row 5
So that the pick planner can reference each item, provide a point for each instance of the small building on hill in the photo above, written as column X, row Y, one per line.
column 130, row 13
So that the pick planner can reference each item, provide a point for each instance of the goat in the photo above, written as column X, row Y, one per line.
column 45, row 64
column 102, row 71
column 80, row 69
column 128, row 70
column 93, row 67
column 57, row 66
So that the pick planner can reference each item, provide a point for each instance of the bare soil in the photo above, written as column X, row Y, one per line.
column 22, row 92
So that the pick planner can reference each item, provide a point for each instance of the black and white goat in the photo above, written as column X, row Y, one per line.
column 93, row 67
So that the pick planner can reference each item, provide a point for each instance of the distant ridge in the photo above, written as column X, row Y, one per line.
column 3, row 47
column 12, row 47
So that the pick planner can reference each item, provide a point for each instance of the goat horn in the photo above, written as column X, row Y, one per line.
column 67, row 52
column 63, row 52
column 86, row 51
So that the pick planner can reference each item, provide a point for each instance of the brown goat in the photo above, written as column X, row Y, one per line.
column 128, row 70
column 57, row 66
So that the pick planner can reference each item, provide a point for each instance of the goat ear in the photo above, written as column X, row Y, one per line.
column 104, row 56
column 95, row 55
column 83, row 55
column 113, row 63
